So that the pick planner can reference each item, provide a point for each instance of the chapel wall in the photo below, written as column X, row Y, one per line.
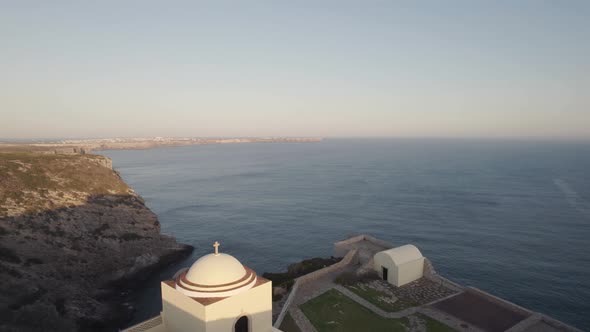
column 180, row 312
column 255, row 303
column 409, row 272
column 383, row 260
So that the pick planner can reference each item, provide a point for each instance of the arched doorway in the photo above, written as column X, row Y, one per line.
column 241, row 325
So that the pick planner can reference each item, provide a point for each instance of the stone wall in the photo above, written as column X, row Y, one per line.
column 379, row 242
column 351, row 240
column 344, row 246
column 541, row 322
column 69, row 150
column 428, row 268
column 151, row 325
column 350, row 258
column 341, row 248
column 430, row 273
column 286, row 306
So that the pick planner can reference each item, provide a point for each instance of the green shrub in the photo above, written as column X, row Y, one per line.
column 350, row 278
column 347, row 279
column 310, row 265
column 289, row 284
column 369, row 276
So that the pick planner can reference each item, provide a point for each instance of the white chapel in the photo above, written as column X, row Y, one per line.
column 216, row 294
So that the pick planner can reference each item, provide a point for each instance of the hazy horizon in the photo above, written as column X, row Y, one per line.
column 508, row 139
column 498, row 70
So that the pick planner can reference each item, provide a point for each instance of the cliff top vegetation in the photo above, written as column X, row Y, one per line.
column 33, row 182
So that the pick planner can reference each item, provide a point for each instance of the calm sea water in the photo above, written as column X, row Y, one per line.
column 511, row 218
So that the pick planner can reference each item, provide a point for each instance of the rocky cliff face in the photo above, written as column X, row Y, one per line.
column 73, row 237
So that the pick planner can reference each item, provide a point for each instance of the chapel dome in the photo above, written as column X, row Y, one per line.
column 215, row 269
column 215, row 275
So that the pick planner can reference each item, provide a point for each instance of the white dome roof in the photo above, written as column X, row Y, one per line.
column 215, row 269
column 215, row 275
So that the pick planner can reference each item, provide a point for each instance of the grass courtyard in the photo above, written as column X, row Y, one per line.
column 333, row 311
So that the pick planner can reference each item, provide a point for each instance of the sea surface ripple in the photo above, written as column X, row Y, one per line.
column 511, row 218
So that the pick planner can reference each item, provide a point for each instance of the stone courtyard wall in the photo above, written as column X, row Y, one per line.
column 385, row 244
column 350, row 258
column 350, row 240
column 428, row 267
column 431, row 274
column 286, row 306
column 341, row 248
column 541, row 322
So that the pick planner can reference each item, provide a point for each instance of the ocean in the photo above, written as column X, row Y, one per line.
column 509, row 217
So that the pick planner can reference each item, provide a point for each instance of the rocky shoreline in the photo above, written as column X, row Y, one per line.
column 117, row 297
column 75, row 243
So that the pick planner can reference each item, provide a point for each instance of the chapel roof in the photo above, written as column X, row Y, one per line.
column 215, row 275
column 403, row 254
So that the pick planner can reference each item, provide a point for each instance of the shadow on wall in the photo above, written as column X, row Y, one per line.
column 244, row 322
column 62, row 269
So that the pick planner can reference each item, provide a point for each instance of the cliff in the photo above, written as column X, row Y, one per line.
column 73, row 239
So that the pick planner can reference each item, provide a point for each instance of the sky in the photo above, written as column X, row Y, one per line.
column 492, row 69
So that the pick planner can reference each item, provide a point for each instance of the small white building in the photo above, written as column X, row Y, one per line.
column 400, row 265
column 217, row 294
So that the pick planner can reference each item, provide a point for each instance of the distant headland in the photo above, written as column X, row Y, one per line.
column 75, row 146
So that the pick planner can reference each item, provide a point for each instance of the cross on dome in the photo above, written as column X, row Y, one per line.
column 216, row 246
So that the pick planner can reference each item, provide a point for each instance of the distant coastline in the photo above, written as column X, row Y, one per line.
column 75, row 146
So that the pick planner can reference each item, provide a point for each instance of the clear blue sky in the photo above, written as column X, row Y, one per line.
column 325, row 68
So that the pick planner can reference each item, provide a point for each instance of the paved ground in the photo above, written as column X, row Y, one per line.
column 541, row 326
column 449, row 320
column 421, row 291
column 481, row 312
